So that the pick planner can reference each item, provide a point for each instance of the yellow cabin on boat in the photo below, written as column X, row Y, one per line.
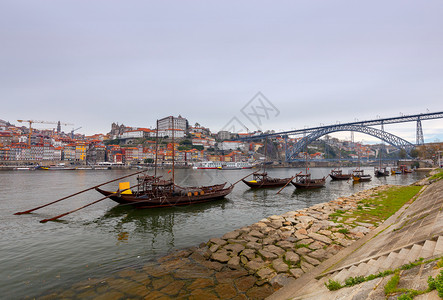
column 124, row 186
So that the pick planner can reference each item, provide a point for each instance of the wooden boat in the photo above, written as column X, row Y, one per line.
column 262, row 180
column 395, row 171
column 381, row 172
column 304, row 181
column 152, row 191
column 359, row 176
column 338, row 175
column 404, row 169
column 164, row 194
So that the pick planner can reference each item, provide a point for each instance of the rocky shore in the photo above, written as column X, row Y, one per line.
column 248, row 263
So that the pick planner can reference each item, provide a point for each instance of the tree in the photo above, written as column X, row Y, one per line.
column 414, row 153
column 186, row 142
column 402, row 153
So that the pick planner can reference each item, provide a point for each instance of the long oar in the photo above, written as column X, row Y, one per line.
column 243, row 178
column 286, row 184
column 31, row 210
column 101, row 199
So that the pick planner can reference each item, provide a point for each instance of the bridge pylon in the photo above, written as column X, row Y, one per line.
column 420, row 139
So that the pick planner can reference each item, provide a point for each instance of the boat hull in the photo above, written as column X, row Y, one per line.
column 381, row 174
column 362, row 179
column 266, row 183
column 145, row 201
column 309, row 184
column 340, row 177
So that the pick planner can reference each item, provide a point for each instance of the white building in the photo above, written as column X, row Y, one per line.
column 232, row 145
column 179, row 123
column 178, row 133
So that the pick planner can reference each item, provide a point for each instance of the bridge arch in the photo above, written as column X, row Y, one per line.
column 382, row 135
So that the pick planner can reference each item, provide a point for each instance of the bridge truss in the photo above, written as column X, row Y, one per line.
column 314, row 133
column 292, row 152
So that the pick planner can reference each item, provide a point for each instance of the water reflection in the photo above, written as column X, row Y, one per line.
column 154, row 224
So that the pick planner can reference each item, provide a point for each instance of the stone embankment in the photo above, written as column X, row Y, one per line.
column 248, row 263
column 256, row 260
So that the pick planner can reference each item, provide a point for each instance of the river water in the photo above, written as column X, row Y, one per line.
column 37, row 258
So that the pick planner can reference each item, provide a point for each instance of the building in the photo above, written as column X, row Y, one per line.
column 96, row 153
column 80, row 151
column 20, row 151
column 179, row 123
column 232, row 145
column 5, row 153
column 37, row 152
column 5, row 138
column 48, row 152
column 69, row 152
column 58, row 153
column 223, row 135
column 178, row 133
column 205, row 142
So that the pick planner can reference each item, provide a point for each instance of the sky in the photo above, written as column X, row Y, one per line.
column 313, row 62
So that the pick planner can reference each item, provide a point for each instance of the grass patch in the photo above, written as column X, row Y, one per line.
column 354, row 280
column 436, row 284
column 391, row 285
column 412, row 264
column 385, row 203
column 437, row 176
column 343, row 230
column 297, row 246
column 333, row 285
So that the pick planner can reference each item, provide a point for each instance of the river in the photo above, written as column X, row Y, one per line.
column 104, row 238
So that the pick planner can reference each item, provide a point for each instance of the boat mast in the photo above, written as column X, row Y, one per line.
column 156, row 150
column 173, row 152
column 306, row 159
column 266, row 156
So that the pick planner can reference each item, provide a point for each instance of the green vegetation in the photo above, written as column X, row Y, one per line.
column 412, row 264
column 436, row 284
column 333, row 285
column 437, row 176
column 112, row 142
column 185, row 148
column 343, row 230
column 354, row 280
column 383, row 205
column 297, row 246
column 391, row 285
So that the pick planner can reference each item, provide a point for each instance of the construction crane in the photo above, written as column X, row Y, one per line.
column 43, row 122
column 72, row 132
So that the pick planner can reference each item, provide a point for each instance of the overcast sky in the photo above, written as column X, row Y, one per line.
column 96, row 62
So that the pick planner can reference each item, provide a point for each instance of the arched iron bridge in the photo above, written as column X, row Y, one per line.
column 291, row 153
column 359, row 126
